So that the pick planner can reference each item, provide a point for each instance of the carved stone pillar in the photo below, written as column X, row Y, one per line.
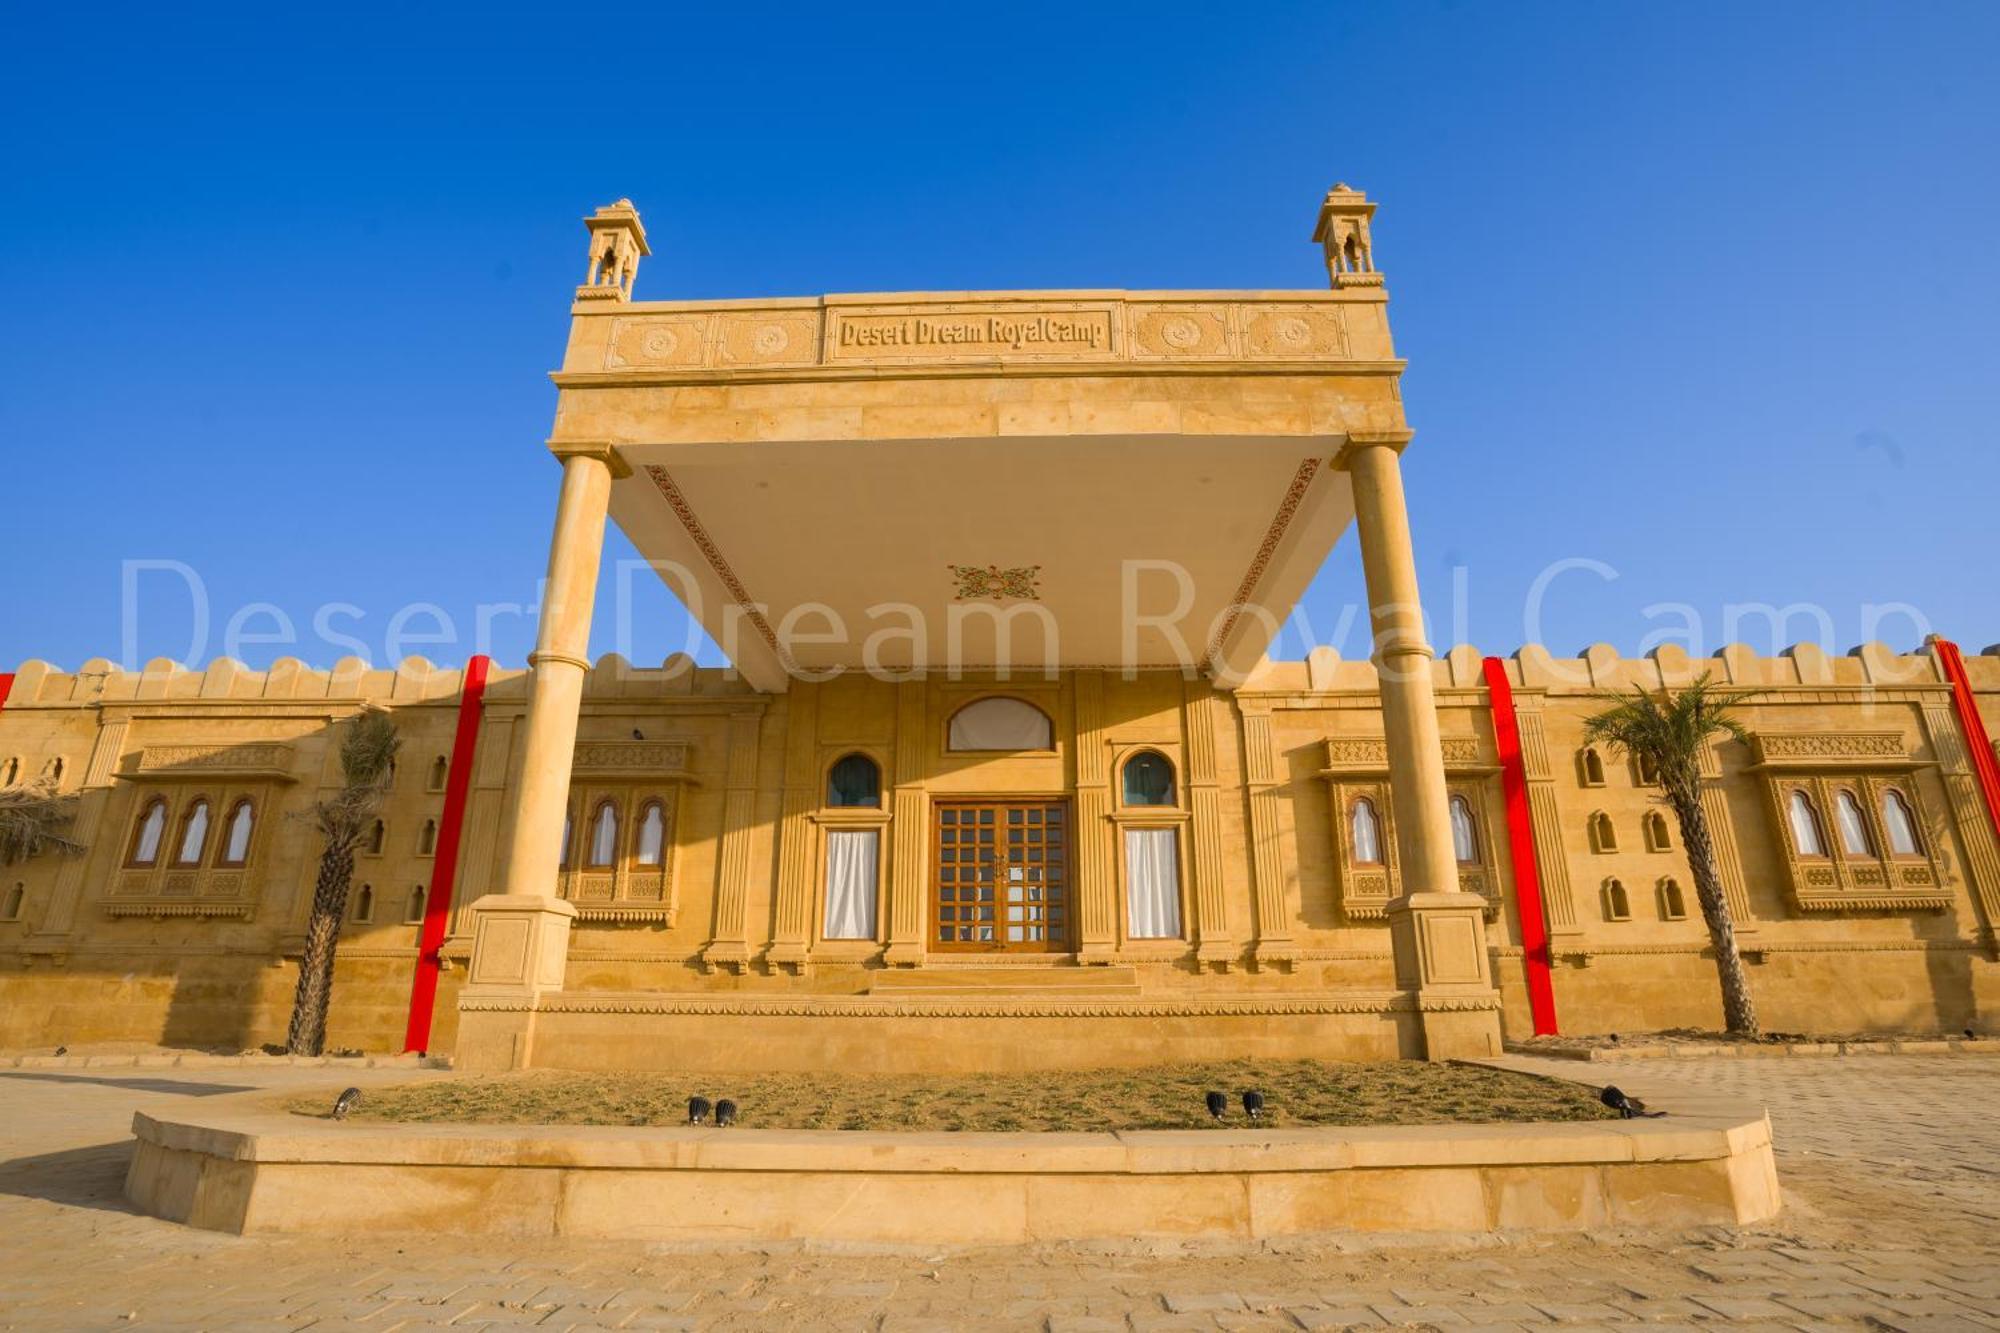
column 1722, row 832
column 910, row 822
column 1204, row 718
column 1438, row 931
column 796, row 833
column 1096, row 877
column 729, row 945
column 93, row 797
column 1970, row 821
column 1551, row 865
column 1263, row 781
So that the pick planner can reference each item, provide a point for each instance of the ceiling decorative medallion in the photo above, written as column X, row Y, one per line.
column 977, row 582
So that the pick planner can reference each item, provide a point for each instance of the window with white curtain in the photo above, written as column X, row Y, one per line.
column 194, row 836
column 604, row 836
column 152, row 828
column 1853, row 828
column 1805, row 825
column 242, row 821
column 1152, row 884
column 1366, row 832
column 851, row 857
column 1902, row 827
column 652, row 834
column 1464, row 841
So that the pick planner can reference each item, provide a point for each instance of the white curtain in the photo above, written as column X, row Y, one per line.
column 1902, row 828
column 999, row 724
column 850, row 883
column 239, row 835
column 1805, row 826
column 1152, row 884
column 1853, row 829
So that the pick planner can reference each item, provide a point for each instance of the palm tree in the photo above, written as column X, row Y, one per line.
column 1667, row 730
column 367, row 763
column 36, row 818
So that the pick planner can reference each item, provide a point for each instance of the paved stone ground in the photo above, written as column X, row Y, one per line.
column 1891, row 1166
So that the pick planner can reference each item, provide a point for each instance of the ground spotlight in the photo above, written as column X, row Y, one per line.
column 346, row 1102
column 725, row 1113
column 698, row 1109
column 1218, row 1105
column 1253, row 1104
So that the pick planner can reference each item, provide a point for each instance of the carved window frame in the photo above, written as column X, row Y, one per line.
column 1865, row 764
column 623, row 890
column 226, row 832
column 1357, row 769
column 213, row 885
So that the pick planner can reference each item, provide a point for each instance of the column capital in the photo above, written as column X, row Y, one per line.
column 1356, row 440
column 602, row 450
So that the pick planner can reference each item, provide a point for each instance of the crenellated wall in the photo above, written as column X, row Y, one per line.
column 1283, row 919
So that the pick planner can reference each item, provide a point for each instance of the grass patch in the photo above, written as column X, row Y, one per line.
column 1296, row 1093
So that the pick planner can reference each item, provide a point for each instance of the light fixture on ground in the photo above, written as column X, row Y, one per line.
column 698, row 1109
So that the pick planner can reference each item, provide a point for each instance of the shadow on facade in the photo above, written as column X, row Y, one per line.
column 216, row 1003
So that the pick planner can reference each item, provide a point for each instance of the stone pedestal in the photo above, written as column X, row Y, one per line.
column 1442, row 966
column 520, row 952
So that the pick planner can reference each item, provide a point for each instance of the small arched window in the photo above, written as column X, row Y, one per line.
column 1617, row 903
column 378, row 837
column 440, row 771
column 1365, row 831
column 1643, row 768
column 1000, row 724
column 148, row 833
column 194, row 835
column 427, row 838
column 1806, row 835
column 10, row 772
column 854, row 782
column 236, row 833
column 1902, row 825
column 1657, row 838
column 652, row 834
column 1149, row 779
column 564, row 852
column 11, row 910
column 413, row 907
column 1673, row 904
column 603, row 836
column 53, row 770
column 1590, row 767
column 1853, row 825
column 1603, row 835
column 364, row 904
column 1464, row 833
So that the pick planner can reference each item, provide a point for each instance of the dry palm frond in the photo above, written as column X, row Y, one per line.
column 367, row 757
column 36, row 819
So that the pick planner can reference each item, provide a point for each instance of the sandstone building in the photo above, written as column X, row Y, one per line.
column 965, row 798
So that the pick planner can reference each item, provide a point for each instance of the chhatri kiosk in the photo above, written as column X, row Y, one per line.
column 1000, row 779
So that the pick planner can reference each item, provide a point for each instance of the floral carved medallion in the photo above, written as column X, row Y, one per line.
column 977, row 582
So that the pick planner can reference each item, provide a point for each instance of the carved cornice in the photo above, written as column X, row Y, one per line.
column 665, row 760
column 261, row 759
column 1368, row 756
column 1830, row 749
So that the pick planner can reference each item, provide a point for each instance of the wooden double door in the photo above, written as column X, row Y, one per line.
column 1001, row 879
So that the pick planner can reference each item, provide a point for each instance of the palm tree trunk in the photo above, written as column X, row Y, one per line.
column 1739, row 1012
column 314, row 995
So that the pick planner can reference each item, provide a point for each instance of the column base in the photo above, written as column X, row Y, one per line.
column 1218, row 954
column 1457, row 1032
column 903, row 954
column 520, row 945
column 1274, row 955
column 788, row 957
column 727, row 956
column 1443, row 967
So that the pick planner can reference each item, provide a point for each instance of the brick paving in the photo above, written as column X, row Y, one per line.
column 1891, row 1166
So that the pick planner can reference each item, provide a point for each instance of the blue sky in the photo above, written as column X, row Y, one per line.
column 1699, row 300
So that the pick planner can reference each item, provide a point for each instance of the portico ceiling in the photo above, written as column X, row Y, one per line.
column 978, row 480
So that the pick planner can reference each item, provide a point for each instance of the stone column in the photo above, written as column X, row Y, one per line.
column 1438, row 932
column 534, row 819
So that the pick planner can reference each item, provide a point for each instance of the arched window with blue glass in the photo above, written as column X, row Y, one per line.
column 854, row 782
column 1149, row 779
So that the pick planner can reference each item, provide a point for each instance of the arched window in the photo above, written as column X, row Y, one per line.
column 603, row 836
column 1853, row 826
column 378, row 837
column 427, row 838
column 568, row 840
column 194, row 835
column 236, row 833
column 854, row 782
column 1603, row 836
column 1617, row 904
column 413, row 908
column 1673, row 904
column 1000, row 724
column 11, row 910
column 440, row 770
column 1645, row 770
column 1657, row 839
column 1590, row 767
column 652, row 834
column 1902, row 826
column 1365, row 831
column 1806, row 835
column 10, row 772
column 1464, row 833
column 148, row 833
column 53, row 770
column 364, row 904
column 1149, row 779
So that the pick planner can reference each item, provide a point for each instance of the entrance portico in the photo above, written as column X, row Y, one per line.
column 1046, row 496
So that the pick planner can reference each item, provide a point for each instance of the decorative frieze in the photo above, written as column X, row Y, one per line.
column 267, row 759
